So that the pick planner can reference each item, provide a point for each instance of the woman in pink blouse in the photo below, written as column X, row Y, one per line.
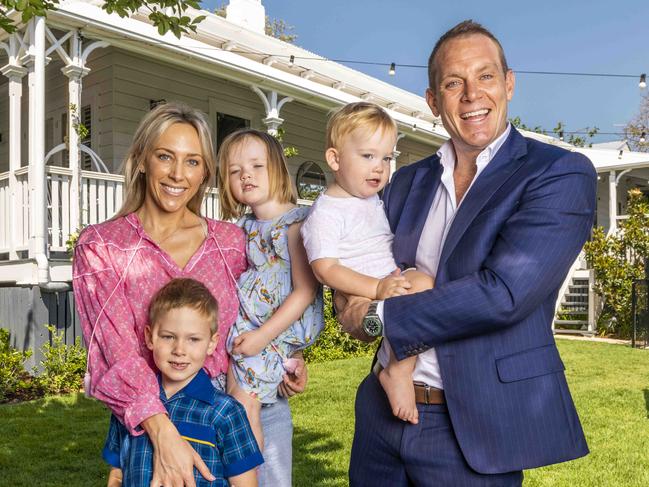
column 118, row 266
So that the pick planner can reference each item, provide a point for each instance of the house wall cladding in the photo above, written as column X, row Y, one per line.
column 25, row 311
column 96, row 92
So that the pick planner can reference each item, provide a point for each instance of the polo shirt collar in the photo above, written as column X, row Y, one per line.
column 199, row 388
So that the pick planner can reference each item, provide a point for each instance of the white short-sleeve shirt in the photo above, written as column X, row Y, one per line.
column 353, row 230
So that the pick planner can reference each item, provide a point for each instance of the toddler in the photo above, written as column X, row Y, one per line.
column 347, row 235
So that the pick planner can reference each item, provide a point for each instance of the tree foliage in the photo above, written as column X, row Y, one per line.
column 637, row 126
column 618, row 260
column 578, row 140
column 166, row 15
column 518, row 123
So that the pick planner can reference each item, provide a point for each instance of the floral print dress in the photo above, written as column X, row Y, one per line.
column 263, row 287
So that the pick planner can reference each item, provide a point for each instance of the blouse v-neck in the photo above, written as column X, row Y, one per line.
column 199, row 250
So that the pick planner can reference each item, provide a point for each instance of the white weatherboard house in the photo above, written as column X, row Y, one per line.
column 82, row 66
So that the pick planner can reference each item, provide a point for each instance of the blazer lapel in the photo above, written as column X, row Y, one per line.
column 499, row 169
column 414, row 213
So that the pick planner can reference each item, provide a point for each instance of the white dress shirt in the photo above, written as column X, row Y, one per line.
column 438, row 222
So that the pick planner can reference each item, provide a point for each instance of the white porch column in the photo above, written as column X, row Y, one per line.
column 612, row 202
column 75, row 72
column 273, row 106
column 397, row 153
column 15, row 73
column 37, row 180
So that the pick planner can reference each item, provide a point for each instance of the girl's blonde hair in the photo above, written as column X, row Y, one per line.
column 279, row 180
column 146, row 135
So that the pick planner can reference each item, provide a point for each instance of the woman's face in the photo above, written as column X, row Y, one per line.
column 174, row 169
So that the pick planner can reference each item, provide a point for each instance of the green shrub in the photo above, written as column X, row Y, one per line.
column 618, row 260
column 334, row 343
column 15, row 381
column 63, row 365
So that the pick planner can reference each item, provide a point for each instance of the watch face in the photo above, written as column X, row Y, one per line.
column 372, row 326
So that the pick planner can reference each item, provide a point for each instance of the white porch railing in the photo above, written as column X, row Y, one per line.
column 19, row 234
column 101, row 198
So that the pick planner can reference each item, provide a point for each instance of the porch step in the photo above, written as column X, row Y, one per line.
column 567, row 331
column 571, row 322
column 572, row 313
column 576, row 327
column 578, row 286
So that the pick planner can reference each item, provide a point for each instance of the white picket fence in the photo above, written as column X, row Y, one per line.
column 101, row 198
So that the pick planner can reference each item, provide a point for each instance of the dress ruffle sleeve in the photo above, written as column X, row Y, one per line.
column 278, row 238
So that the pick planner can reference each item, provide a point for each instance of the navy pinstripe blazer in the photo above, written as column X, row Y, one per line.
column 509, row 248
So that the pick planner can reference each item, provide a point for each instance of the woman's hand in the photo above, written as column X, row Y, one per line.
column 250, row 343
column 173, row 458
column 115, row 477
column 294, row 383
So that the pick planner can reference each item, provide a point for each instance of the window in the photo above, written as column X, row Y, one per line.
column 226, row 124
column 310, row 181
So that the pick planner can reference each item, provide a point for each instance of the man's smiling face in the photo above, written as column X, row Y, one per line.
column 471, row 92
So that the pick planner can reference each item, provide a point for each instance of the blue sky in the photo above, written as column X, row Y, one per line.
column 575, row 36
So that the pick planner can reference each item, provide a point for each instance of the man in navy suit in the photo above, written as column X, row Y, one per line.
column 498, row 219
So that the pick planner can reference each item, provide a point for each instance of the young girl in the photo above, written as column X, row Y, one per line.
column 280, row 300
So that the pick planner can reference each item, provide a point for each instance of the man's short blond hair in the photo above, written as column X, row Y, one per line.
column 368, row 117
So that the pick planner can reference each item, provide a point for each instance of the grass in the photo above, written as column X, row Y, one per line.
column 57, row 441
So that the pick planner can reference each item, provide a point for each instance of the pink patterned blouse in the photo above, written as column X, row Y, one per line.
column 116, row 271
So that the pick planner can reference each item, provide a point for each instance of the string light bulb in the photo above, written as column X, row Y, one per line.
column 561, row 135
column 291, row 60
column 393, row 69
column 414, row 127
column 619, row 156
column 643, row 137
column 643, row 81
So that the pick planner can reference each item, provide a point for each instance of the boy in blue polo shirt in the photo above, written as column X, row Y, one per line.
column 181, row 334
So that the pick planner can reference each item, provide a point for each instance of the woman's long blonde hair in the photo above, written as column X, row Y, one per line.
column 279, row 179
column 147, row 134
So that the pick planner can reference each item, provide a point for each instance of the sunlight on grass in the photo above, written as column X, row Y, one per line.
column 57, row 441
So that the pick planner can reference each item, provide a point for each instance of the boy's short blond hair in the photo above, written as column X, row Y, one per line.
column 360, row 115
column 181, row 293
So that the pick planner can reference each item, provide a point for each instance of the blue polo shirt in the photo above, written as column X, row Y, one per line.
column 214, row 423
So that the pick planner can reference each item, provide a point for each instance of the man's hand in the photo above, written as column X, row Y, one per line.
column 351, row 314
column 392, row 285
column 294, row 383
column 250, row 343
column 173, row 457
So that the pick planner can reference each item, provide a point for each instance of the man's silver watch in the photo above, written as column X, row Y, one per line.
column 372, row 324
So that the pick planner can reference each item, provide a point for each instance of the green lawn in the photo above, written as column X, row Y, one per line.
column 57, row 441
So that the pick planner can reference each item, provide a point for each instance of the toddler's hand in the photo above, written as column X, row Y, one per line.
column 391, row 286
column 250, row 343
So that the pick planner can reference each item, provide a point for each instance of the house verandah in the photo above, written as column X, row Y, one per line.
column 76, row 85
